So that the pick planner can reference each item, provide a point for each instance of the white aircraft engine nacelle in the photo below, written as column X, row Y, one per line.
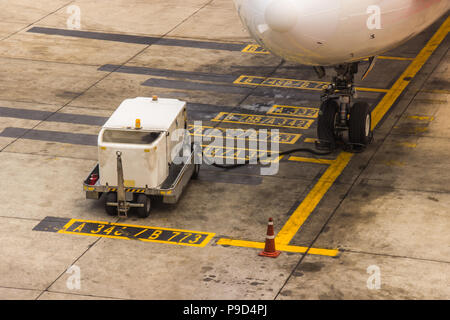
column 281, row 16
column 291, row 29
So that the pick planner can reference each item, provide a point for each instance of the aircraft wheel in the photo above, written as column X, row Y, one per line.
column 360, row 123
column 111, row 197
column 143, row 212
column 196, row 171
column 326, row 124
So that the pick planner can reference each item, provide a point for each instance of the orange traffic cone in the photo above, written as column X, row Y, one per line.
column 269, row 249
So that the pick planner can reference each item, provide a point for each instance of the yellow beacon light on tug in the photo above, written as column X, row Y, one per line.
column 137, row 124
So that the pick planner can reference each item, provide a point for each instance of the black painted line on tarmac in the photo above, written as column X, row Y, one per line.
column 52, row 136
column 51, row 116
column 202, row 76
column 24, row 113
column 227, row 80
column 195, row 111
column 51, row 224
column 144, row 40
column 78, row 119
column 188, row 85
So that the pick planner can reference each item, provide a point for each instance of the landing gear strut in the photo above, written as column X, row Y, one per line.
column 339, row 114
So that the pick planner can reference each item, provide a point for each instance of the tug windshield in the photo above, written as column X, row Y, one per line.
column 130, row 136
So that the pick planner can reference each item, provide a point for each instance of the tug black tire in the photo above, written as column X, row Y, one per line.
column 111, row 197
column 359, row 124
column 143, row 212
column 326, row 124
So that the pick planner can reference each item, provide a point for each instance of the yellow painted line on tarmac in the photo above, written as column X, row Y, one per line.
column 388, row 100
column 422, row 118
column 313, row 198
column 311, row 160
column 310, row 140
column 393, row 58
column 407, row 144
column 294, row 111
column 281, row 247
column 394, row 163
column 373, row 90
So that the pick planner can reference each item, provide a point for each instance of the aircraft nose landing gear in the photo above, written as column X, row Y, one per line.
column 338, row 114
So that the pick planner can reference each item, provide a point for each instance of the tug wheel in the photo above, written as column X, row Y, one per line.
column 143, row 212
column 111, row 197
column 326, row 123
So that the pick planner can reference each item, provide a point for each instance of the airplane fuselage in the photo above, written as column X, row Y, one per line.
column 330, row 32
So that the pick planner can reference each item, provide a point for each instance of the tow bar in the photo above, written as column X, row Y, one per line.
column 122, row 204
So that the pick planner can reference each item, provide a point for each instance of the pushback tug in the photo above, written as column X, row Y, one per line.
column 136, row 147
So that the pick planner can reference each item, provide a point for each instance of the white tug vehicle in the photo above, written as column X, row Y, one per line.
column 136, row 149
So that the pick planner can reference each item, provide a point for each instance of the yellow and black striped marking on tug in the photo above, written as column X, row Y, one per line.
column 133, row 190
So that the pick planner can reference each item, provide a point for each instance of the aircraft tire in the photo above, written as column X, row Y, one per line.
column 196, row 171
column 359, row 124
column 326, row 124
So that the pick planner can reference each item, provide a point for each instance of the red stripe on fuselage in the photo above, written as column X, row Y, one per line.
column 416, row 6
column 420, row 5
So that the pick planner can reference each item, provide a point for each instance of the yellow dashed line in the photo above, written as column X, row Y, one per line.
column 407, row 144
column 394, row 163
column 421, row 118
column 413, row 130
